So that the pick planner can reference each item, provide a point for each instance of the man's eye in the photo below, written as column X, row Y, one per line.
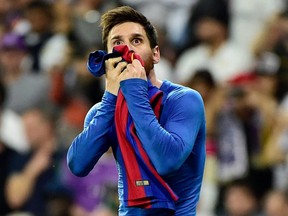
column 117, row 43
column 136, row 41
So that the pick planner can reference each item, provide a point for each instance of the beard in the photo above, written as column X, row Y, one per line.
column 148, row 64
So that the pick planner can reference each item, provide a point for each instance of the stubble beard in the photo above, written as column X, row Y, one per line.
column 149, row 65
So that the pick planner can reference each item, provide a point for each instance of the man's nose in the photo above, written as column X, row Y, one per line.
column 130, row 47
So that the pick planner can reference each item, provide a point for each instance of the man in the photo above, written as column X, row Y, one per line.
column 161, row 173
column 215, row 51
column 16, row 77
column 33, row 184
column 276, row 203
column 240, row 199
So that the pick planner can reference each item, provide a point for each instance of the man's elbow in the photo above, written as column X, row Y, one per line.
column 76, row 170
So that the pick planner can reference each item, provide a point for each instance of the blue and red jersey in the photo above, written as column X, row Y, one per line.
column 174, row 143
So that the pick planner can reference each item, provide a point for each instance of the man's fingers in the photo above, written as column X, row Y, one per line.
column 121, row 65
column 136, row 63
column 111, row 62
column 133, row 70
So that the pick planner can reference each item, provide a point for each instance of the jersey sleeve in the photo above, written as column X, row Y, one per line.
column 94, row 140
column 168, row 145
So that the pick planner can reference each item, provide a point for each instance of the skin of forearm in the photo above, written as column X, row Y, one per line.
column 20, row 186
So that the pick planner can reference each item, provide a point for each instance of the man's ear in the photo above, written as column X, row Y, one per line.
column 156, row 54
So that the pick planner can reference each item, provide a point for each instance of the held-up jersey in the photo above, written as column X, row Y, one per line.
column 175, row 143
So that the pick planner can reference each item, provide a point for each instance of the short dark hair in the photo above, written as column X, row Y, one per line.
column 43, row 6
column 124, row 14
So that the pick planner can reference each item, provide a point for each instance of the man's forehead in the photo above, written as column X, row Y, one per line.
column 127, row 29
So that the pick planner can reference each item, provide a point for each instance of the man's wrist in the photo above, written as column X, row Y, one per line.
column 112, row 88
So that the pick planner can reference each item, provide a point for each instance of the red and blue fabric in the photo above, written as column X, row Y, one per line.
column 142, row 182
column 96, row 60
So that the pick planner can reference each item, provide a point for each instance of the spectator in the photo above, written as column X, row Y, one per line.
column 215, row 51
column 273, row 32
column 276, row 203
column 24, row 90
column 48, row 48
column 241, row 127
column 276, row 148
column 271, row 43
column 33, row 179
column 247, row 20
column 240, row 200
column 85, row 31
column 273, row 39
column 6, row 141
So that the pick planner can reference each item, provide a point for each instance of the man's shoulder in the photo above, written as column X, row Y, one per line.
column 168, row 86
column 177, row 90
column 178, row 97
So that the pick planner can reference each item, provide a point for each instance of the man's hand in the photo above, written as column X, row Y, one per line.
column 122, row 71
column 133, row 70
column 112, row 74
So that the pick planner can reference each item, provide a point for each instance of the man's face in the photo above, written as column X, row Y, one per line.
column 11, row 59
column 36, row 128
column 208, row 29
column 134, row 36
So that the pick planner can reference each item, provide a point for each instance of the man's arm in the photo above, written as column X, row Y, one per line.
column 87, row 148
column 20, row 185
column 169, row 145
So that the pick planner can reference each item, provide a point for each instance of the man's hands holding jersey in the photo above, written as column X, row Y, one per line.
column 118, row 70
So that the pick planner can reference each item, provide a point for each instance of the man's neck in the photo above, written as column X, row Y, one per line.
column 153, row 79
column 216, row 43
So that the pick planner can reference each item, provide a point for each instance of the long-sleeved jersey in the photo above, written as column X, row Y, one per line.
column 175, row 143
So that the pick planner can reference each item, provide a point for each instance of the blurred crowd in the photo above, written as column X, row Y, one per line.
column 234, row 52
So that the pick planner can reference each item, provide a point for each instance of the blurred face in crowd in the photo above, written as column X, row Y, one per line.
column 37, row 128
column 39, row 19
column 239, row 201
column 209, row 29
column 11, row 58
column 267, row 84
column 275, row 205
column 134, row 36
